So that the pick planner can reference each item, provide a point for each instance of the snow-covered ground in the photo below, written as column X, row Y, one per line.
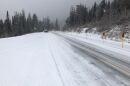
column 37, row 60
column 97, row 40
column 44, row 59
column 26, row 61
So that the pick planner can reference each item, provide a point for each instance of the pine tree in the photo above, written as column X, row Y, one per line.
column 35, row 22
column 46, row 23
column 57, row 25
column 1, row 27
column 94, row 11
column 23, row 19
column 72, row 18
column 7, row 25
column 29, row 24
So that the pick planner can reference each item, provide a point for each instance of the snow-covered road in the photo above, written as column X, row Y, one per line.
column 46, row 59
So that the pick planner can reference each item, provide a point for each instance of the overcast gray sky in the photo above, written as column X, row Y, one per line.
column 53, row 8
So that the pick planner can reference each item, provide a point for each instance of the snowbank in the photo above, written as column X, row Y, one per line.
column 96, row 39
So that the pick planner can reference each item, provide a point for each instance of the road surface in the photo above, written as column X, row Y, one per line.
column 52, row 59
column 104, row 60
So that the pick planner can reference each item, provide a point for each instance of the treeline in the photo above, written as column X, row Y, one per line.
column 101, row 15
column 19, row 24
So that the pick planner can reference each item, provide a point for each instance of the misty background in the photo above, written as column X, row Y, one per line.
column 65, row 15
column 43, row 8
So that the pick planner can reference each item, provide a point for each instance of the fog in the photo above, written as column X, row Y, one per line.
column 52, row 8
column 43, row 8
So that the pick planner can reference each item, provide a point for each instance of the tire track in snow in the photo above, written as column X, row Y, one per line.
column 56, row 65
column 102, row 58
